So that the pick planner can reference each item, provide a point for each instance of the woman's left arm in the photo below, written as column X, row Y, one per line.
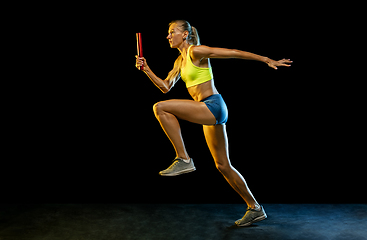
column 202, row 51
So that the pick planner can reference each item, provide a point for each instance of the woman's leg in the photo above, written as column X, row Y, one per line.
column 216, row 138
column 167, row 113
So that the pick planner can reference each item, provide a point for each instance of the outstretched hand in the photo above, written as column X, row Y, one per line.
column 274, row 64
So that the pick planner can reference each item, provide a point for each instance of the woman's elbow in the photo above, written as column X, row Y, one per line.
column 165, row 89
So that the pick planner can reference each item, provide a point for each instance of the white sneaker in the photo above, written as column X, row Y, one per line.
column 251, row 216
column 179, row 166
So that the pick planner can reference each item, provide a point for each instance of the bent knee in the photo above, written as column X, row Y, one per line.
column 223, row 167
column 158, row 108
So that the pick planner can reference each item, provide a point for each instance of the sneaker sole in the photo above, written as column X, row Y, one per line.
column 177, row 173
column 258, row 219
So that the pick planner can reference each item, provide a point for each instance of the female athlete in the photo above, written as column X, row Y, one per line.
column 207, row 108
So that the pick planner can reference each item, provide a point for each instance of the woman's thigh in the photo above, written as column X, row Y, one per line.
column 189, row 110
column 216, row 138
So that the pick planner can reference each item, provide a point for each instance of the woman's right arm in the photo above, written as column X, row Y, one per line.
column 163, row 85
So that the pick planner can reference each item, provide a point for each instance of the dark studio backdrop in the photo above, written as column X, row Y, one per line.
column 82, row 129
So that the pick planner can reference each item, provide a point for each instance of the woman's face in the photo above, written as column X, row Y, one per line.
column 175, row 36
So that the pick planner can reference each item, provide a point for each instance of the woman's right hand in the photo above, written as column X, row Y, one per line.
column 140, row 61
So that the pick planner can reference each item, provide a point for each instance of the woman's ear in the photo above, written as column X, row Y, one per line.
column 185, row 35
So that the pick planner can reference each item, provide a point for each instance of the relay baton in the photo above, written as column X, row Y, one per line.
column 139, row 48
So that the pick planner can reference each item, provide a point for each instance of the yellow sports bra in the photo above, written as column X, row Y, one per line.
column 193, row 75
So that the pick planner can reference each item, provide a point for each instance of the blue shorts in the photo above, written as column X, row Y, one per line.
column 218, row 107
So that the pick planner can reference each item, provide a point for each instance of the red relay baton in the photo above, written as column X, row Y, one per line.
column 140, row 48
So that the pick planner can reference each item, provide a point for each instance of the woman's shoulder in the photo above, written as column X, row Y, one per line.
column 197, row 51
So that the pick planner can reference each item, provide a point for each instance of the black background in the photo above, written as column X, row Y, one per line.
column 80, row 126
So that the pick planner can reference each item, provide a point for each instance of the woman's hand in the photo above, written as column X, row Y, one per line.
column 274, row 64
column 140, row 61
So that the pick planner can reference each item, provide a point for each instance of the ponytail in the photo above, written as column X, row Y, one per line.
column 194, row 37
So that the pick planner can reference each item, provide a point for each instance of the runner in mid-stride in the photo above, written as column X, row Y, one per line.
column 207, row 108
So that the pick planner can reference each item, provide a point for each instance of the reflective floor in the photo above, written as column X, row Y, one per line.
column 180, row 221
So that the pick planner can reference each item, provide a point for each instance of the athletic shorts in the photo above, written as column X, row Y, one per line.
column 218, row 107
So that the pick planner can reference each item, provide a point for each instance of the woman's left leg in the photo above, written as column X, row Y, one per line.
column 216, row 138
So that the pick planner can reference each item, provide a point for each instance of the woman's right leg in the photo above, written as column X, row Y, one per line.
column 171, row 127
column 167, row 113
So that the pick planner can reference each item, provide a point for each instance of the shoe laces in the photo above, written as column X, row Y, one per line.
column 174, row 163
column 253, row 209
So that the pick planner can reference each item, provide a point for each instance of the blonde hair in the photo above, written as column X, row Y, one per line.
column 193, row 39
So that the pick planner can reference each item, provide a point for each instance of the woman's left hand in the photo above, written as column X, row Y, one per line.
column 274, row 64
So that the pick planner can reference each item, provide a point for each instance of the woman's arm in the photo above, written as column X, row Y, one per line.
column 163, row 85
column 202, row 51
